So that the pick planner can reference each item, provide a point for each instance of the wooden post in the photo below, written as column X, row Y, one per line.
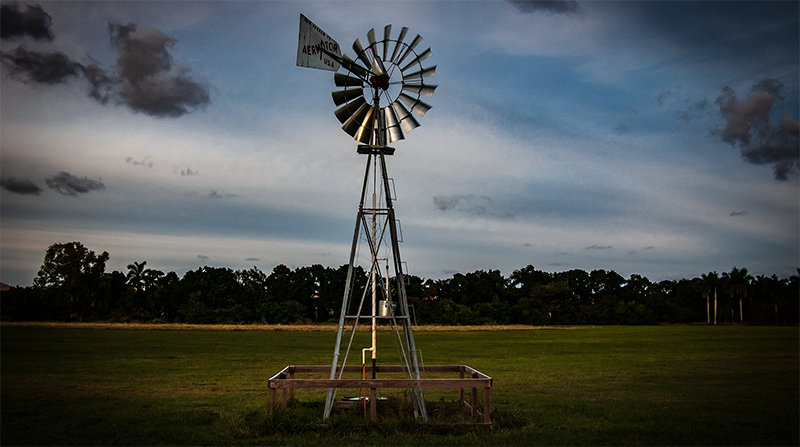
column 272, row 397
column 486, row 393
column 291, row 376
column 373, row 405
column 461, row 390
column 473, row 402
column 283, row 392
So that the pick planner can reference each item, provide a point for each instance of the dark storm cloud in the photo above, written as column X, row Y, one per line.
column 18, row 186
column 32, row 22
column 146, row 78
column 748, row 127
column 67, row 184
column 694, row 110
column 101, row 84
column 739, row 213
column 34, row 67
column 599, row 247
column 551, row 6
column 445, row 203
column 151, row 82
column 784, row 169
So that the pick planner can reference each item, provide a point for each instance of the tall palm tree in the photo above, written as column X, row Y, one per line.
column 135, row 274
column 738, row 283
column 710, row 282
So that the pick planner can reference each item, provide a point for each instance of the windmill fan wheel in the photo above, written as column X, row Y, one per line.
column 378, row 99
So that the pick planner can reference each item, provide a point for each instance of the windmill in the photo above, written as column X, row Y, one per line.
column 379, row 94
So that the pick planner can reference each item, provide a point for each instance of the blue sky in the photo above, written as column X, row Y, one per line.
column 656, row 138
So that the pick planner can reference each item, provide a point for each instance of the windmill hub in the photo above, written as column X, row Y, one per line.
column 379, row 81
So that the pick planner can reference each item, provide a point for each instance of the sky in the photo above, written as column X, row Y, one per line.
column 650, row 138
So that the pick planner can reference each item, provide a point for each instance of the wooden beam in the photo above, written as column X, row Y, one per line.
column 282, row 372
column 380, row 369
column 380, row 383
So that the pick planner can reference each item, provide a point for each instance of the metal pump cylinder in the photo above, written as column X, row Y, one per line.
column 385, row 308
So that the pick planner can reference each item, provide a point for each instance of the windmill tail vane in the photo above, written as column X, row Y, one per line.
column 314, row 45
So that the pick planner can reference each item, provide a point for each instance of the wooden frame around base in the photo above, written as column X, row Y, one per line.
column 469, row 378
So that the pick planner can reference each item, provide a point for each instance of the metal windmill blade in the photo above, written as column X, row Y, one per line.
column 387, row 33
column 392, row 124
column 399, row 42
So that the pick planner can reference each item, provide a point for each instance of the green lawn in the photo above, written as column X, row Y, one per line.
column 664, row 385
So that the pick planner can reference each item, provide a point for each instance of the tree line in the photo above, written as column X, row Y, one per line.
column 72, row 285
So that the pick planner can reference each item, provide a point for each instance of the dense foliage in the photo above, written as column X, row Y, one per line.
column 72, row 285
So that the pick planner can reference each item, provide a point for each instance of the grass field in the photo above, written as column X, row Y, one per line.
column 654, row 385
